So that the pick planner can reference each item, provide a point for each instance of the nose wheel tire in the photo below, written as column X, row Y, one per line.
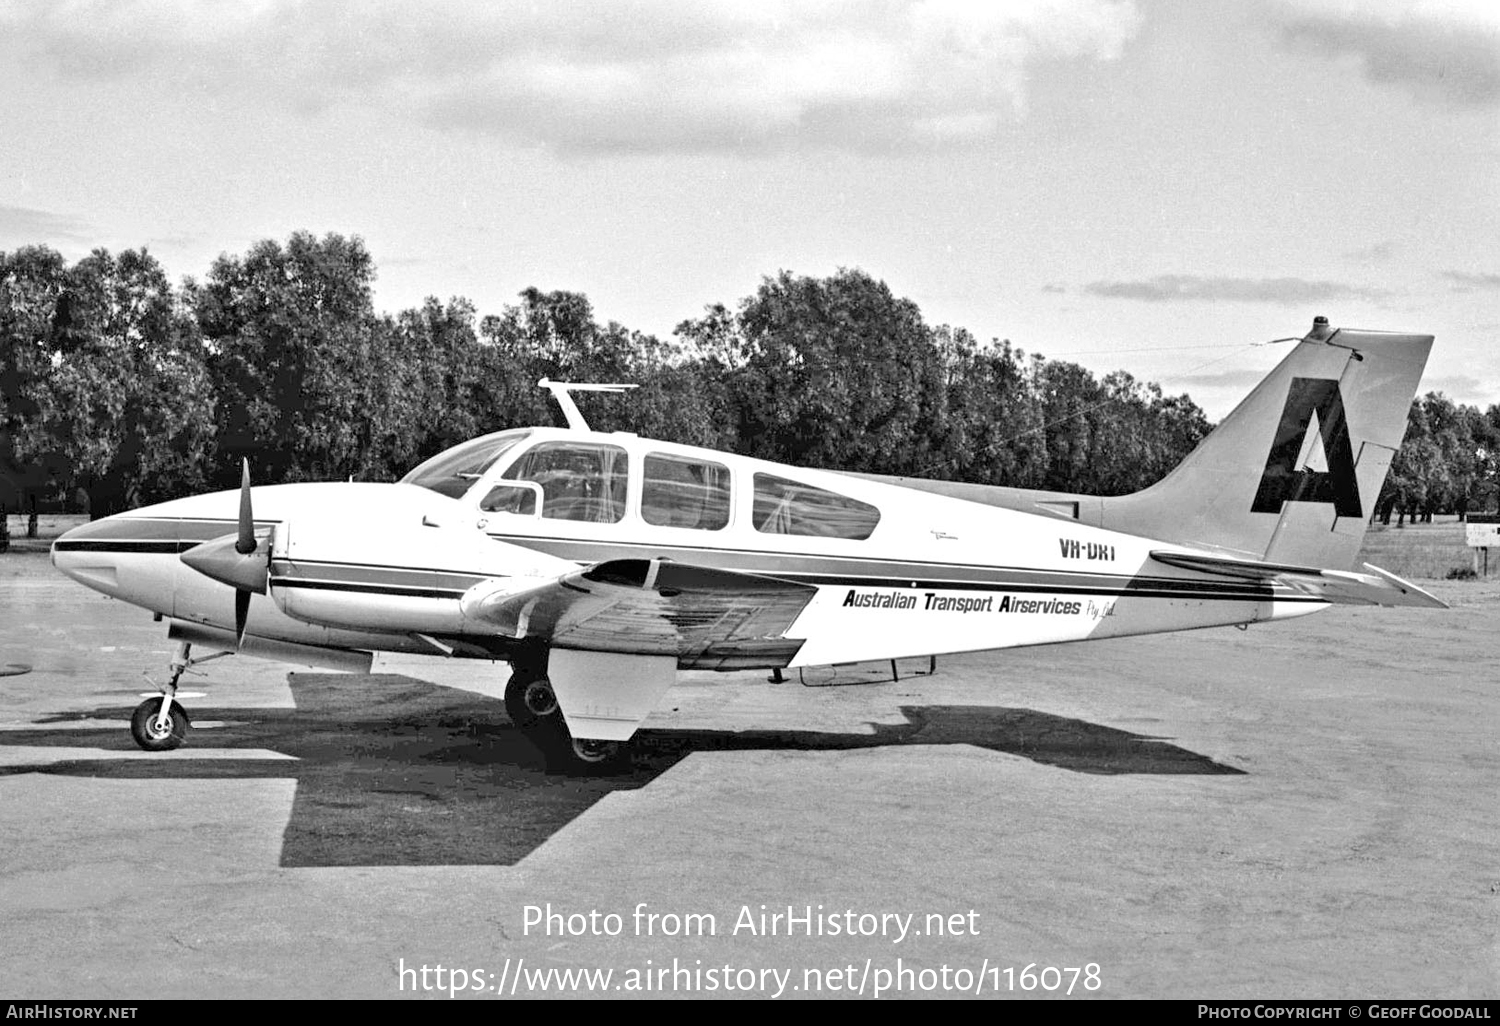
column 150, row 733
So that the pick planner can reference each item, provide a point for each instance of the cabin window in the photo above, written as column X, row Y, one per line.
column 579, row 480
column 520, row 498
column 454, row 471
column 789, row 507
column 684, row 492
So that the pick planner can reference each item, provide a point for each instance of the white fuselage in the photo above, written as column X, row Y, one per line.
column 385, row 566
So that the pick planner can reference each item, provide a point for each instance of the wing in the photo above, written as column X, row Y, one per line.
column 642, row 607
column 1376, row 587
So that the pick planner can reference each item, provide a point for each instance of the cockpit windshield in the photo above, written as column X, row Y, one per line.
column 453, row 471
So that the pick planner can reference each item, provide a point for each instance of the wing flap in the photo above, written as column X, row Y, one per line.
column 640, row 606
column 1376, row 587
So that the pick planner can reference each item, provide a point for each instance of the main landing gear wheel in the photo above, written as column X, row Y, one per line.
column 589, row 755
column 532, row 706
column 531, row 702
column 154, row 733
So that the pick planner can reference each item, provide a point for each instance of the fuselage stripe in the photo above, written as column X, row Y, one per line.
column 123, row 545
column 160, row 537
column 1182, row 590
column 370, row 589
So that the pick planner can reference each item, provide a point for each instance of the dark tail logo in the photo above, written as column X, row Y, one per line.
column 1283, row 480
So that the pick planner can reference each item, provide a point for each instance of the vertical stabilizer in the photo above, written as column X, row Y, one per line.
column 1292, row 474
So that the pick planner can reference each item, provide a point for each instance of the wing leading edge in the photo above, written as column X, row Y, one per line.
column 1377, row 587
column 642, row 607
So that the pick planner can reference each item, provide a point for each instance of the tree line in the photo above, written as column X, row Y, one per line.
column 119, row 388
column 1449, row 462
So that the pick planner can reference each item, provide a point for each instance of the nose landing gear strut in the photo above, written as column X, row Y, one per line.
column 160, row 725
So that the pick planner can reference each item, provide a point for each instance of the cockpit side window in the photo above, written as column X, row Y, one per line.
column 789, row 507
column 681, row 491
column 454, row 471
column 520, row 498
column 579, row 480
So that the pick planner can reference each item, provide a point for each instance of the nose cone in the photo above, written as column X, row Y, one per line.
column 86, row 555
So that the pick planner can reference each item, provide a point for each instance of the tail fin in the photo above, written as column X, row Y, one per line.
column 1292, row 474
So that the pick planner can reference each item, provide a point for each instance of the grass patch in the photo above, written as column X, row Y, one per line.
column 1433, row 551
column 48, row 527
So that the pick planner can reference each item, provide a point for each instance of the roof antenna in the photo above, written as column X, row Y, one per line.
column 560, row 390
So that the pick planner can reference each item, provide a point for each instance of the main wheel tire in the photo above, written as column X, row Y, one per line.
column 532, row 706
column 148, row 735
column 584, row 757
column 530, row 701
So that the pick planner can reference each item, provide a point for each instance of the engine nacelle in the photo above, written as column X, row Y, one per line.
column 401, row 568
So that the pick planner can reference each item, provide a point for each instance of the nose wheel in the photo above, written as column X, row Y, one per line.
column 160, row 724
column 156, row 732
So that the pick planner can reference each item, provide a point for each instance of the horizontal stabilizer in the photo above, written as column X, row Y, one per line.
column 1376, row 588
column 641, row 606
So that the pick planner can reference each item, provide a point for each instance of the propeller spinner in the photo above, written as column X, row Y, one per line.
column 241, row 560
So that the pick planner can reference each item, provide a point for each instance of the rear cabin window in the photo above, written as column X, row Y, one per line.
column 579, row 481
column 788, row 507
column 683, row 492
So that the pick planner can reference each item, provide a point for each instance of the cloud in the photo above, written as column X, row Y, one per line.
column 598, row 75
column 1442, row 50
column 1464, row 281
column 1377, row 253
column 1235, row 380
column 1173, row 288
column 41, row 226
column 1461, row 388
column 177, row 240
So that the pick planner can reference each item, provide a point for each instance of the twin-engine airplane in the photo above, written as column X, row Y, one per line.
column 599, row 564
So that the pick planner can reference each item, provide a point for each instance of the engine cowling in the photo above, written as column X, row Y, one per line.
column 401, row 569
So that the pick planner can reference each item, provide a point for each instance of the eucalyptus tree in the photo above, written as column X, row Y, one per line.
column 108, row 370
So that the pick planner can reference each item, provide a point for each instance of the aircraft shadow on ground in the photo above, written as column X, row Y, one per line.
column 396, row 771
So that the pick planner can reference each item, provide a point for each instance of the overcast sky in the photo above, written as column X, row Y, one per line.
column 1146, row 184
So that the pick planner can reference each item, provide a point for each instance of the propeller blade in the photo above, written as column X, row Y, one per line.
column 241, row 611
column 245, row 544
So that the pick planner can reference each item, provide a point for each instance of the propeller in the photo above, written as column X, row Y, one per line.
column 244, row 544
column 241, row 560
